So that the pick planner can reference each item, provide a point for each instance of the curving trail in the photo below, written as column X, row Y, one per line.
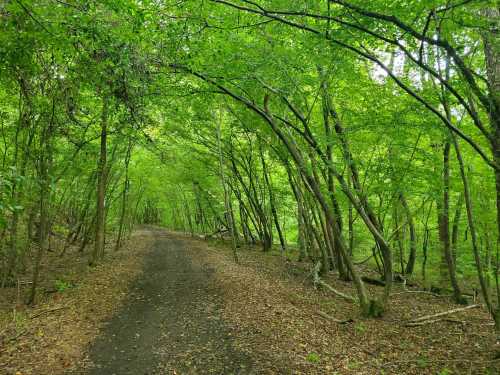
column 170, row 324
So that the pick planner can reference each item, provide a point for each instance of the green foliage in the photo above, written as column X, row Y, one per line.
column 360, row 327
column 422, row 362
column 282, row 120
column 313, row 358
column 62, row 285
column 445, row 371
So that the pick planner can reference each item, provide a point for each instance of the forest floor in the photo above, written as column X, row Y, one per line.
column 171, row 304
column 73, row 301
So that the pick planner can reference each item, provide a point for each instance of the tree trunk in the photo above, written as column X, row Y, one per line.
column 410, row 266
column 472, row 229
column 45, row 163
column 100, row 227
column 491, row 41
column 227, row 203
column 444, row 227
column 272, row 201
column 368, row 307
column 456, row 227
column 126, row 185
column 351, row 222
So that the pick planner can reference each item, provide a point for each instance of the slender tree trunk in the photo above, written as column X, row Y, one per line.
column 23, row 144
column 444, row 227
column 272, row 201
column 368, row 307
column 45, row 163
column 244, row 223
column 42, row 239
column 126, row 185
column 12, row 255
column 256, row 212
column 472, row 229
column 326, row 101
column 301, row 235
column 100, row 227
column 398, row 236
column 229, row 211
column 362, row 206
column 456, row 227
column 425, row 243
column 491, row 41
column 351, row 222
column 410, row 266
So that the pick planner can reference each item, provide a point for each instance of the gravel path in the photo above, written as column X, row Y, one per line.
column 170, row 323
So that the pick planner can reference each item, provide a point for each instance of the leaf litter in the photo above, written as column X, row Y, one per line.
column 261, row 316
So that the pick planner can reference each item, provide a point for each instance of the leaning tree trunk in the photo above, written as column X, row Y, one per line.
column 326, row 103
column 472, row 229
column 368, row 307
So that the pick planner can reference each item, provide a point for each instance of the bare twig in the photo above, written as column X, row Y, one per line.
column 444, row 313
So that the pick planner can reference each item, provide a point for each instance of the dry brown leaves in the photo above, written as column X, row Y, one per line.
column 51, row 338
column 272, row 309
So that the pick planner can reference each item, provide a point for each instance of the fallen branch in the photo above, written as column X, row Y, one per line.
column 425, row 322
column 331, row 318
column 318, row 281
column 397, row 279
column 422, row 292
column 372, row 281
column 48, row 311
column 444, row 313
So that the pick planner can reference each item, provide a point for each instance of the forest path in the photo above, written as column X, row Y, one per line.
column 170, row 322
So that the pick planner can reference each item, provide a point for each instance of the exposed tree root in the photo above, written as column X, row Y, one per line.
column 317, row 281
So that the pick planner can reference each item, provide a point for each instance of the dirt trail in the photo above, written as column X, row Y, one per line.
column 169, row 324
